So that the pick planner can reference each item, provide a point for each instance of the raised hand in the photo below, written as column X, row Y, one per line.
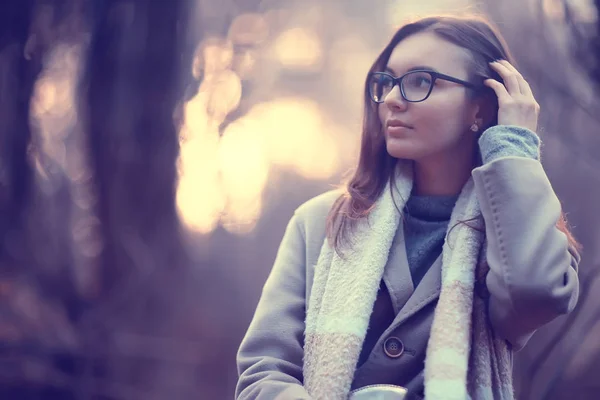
column 517, row 106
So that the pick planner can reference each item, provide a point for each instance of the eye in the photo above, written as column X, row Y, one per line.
column 384, row 80
column 420, row 80
column 380, row 86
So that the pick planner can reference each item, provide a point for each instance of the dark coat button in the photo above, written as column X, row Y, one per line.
column 393, row 347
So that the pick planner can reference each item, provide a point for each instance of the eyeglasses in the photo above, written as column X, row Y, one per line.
column 415, row 86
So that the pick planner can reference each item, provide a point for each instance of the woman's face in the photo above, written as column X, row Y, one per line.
column 439, row 127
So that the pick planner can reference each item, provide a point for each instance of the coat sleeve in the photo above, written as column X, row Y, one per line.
column 533, row 272
column 269, row 359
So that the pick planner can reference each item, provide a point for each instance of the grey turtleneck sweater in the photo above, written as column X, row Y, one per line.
column 426, row 220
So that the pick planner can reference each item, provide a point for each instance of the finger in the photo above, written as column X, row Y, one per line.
column 523, row 84
column 509, row 78
column 509, row 66
column 499, row 89
column 525, row 88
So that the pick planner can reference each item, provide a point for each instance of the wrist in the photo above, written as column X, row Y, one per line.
column 508, row 140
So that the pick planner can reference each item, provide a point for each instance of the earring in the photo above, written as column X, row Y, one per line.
column 474, row 127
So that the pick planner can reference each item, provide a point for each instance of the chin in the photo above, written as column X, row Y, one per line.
column 403, row 151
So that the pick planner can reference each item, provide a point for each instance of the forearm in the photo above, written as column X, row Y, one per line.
column 270, row 356
column 533, row 273
column 506, row 141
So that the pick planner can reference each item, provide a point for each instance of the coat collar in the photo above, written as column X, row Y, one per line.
column 406, row 299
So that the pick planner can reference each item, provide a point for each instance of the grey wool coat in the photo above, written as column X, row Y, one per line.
column 532, row 280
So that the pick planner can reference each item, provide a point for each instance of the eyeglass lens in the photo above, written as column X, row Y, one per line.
column 415, row 86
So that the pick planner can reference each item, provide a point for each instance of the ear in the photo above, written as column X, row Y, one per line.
column 485, row 110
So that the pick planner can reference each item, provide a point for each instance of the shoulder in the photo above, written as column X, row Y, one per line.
column 311, row 220
column 311, row 216
column 318, row 206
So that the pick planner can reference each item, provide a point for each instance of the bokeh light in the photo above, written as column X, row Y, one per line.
column 224, row 92
column 249, row 29
column 200, row 197
column 299, row 48
column 554, row 9
column 296, row 136
column 243, row 161
column 52, row 108
column 224, row 165
column 213, row 54
column 286, row 133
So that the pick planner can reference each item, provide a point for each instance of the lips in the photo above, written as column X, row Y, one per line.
column 396, row 123
column 396, row 128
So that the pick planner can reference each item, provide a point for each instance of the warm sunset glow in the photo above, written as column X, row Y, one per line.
column 298, row 48
column 199, row 202
column 213, row 54
column 554, row 9
column 199, row 194
column 248, row 29
column 243, row 63
column 242, row 215
column 52, row 108
column 243, row 162
column 224, row 91
column 296, row 136
column 222, row 176
column 244, row 167
column 195, row 116
column 285, row 133
column 45, row 97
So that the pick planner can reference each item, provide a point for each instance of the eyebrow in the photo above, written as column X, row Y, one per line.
column 418, row 67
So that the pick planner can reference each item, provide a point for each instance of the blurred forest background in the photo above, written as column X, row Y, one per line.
column 152, row 152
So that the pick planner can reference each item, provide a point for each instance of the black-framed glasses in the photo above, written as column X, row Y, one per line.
column 415, row 86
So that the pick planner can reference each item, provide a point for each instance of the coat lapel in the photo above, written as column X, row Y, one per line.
column 406, row 299
column 427, row 291
column 397, row 276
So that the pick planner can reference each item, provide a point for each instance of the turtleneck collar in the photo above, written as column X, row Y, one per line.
column 431, row 208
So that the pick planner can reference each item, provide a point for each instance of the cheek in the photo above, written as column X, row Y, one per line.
column 441, row 116
column 382, row 112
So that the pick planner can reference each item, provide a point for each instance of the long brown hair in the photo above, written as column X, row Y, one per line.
column 375, row 166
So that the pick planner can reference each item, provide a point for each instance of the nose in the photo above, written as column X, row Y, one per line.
column 394, row 99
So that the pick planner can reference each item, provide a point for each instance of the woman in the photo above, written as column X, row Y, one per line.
column 445, row 252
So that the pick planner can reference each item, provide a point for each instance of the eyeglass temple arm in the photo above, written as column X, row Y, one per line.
column 455, row 80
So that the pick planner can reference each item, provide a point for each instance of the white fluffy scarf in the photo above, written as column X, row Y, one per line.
column 464, row 360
